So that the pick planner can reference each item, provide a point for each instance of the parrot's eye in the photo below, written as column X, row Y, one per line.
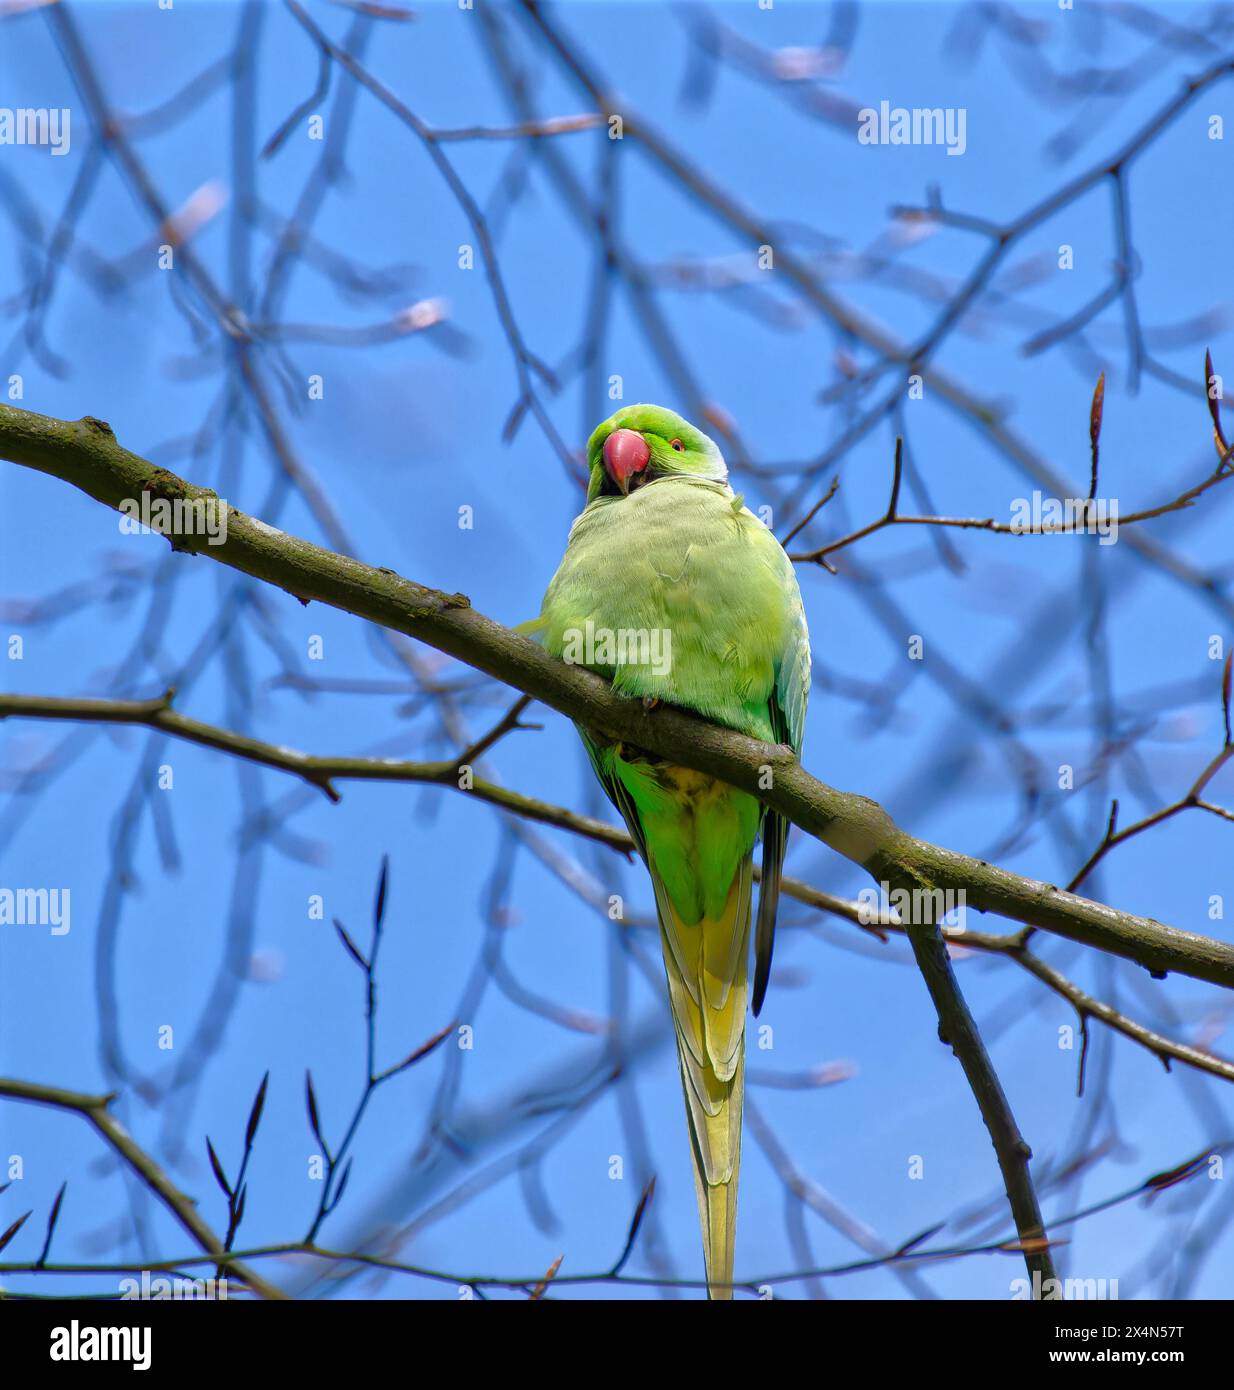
column 678, row 445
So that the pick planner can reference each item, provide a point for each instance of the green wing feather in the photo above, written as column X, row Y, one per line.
column 788, row 718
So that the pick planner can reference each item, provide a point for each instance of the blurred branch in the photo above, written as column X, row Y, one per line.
column 528, row 366
column 896, row 357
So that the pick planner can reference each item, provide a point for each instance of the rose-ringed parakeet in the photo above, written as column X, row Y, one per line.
column 676, row 592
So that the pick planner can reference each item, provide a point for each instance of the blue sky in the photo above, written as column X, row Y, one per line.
column 408, row 433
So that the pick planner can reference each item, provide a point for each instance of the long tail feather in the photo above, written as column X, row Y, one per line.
column 706, row 965
column 717, row 1201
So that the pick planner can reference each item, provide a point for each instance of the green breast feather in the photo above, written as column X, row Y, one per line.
column 679, row 593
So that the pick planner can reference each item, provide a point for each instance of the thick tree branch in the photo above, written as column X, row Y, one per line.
column 86, row 454
column 958, row 1030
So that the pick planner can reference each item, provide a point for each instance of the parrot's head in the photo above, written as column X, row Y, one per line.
column 642, row 443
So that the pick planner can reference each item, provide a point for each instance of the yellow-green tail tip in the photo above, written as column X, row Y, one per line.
column 717, row 1211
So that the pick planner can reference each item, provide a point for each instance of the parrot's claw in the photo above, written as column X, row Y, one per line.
column 650, row 701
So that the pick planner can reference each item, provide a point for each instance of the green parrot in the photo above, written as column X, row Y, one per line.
column 677, row 593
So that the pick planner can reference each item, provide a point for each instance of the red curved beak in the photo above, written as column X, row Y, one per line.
column 625, row 454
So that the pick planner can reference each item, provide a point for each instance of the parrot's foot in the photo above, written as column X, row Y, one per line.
column 650, row 701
